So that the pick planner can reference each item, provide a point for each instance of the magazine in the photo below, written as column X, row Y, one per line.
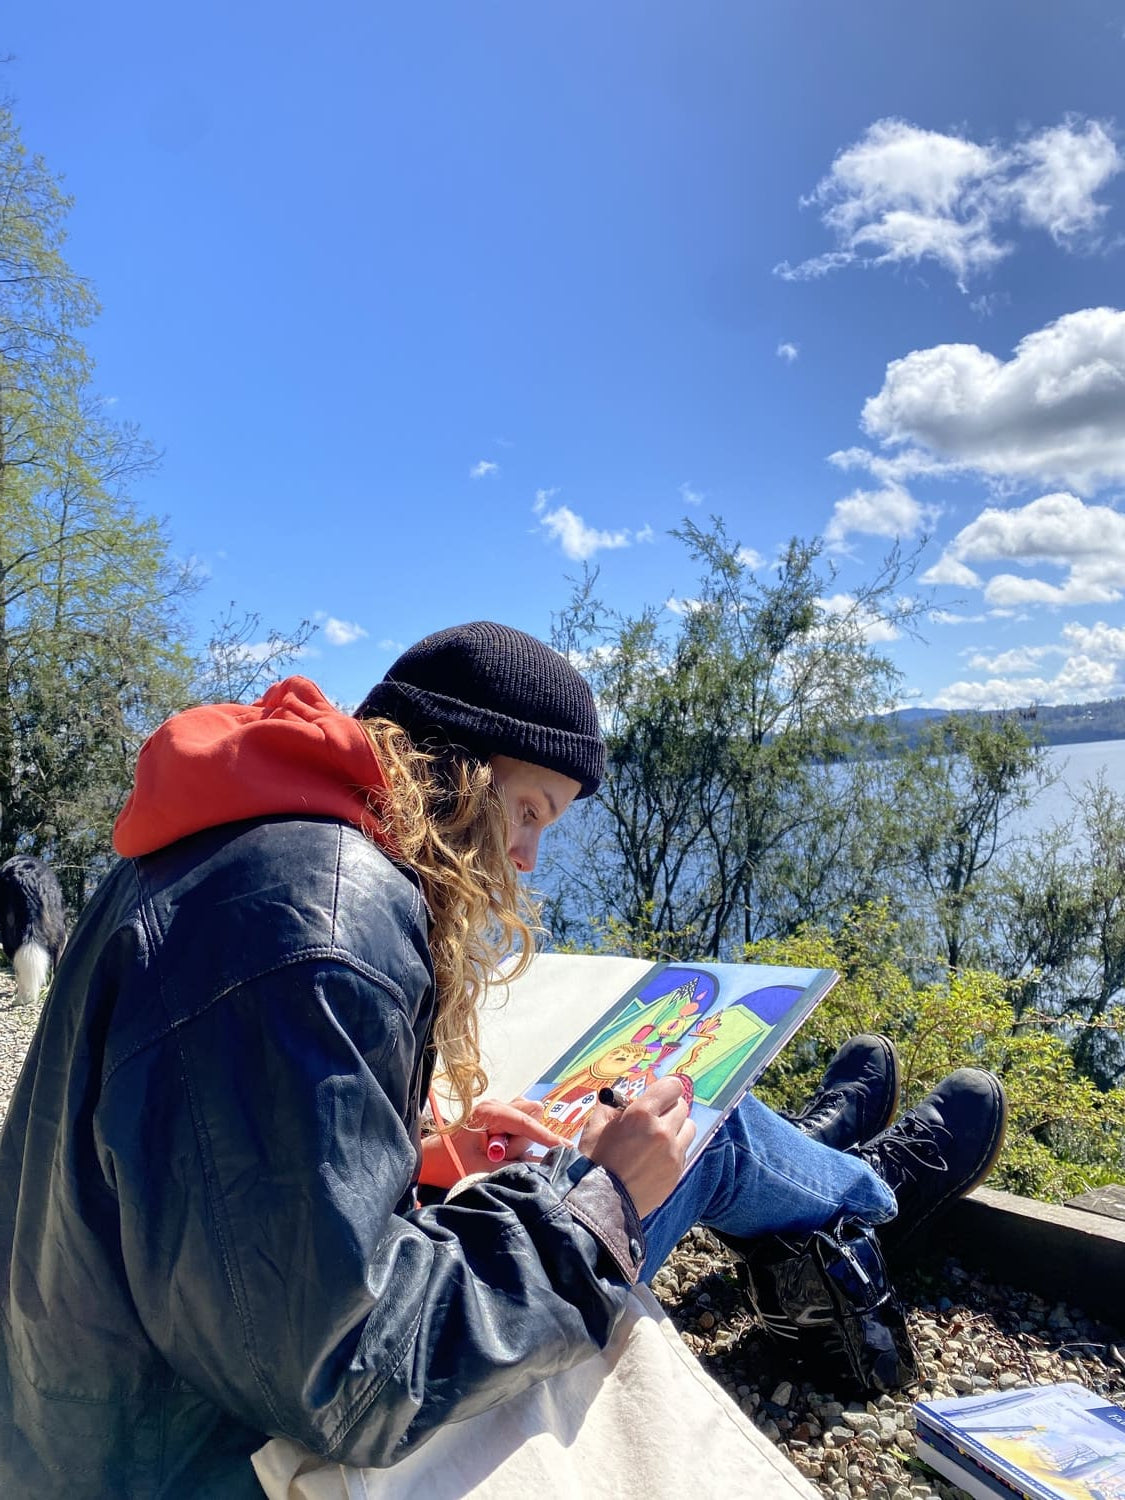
column 1049, row 1442
column 715, row 1027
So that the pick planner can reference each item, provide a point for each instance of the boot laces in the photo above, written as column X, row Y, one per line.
column 819, row 1104
column 913, row 1143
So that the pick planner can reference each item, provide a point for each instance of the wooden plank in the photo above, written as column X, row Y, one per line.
column 1104, row 1200
column 1063, row 1254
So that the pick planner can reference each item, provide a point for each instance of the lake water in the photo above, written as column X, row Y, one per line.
column 1074, row 765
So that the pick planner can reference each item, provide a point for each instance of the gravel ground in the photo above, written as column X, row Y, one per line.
column 971, row 1335
column 17, row 1022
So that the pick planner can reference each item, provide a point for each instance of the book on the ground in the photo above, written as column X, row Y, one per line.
column 714, row 1026
column 1048, row 1442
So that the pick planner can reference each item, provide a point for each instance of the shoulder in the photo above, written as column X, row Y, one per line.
column 232, row 903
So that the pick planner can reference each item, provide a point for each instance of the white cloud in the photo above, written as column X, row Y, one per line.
column 788, row 352
column 750, row 559
column 1020, row 659
column 342, row 632
column 902, row 195
column 1104, row 641
column 1080, row 680
column 254, row 651
column 875, row 628
column 483, row 469
column 682, row 606
column 690, row 496
column 947, row 569
column 891, row 512
column 1093, row 666
column 1055, row 411
column 1062, row 169
column 893, row 468
column 987, row 303
column 578, row 540
column 950, row 617
column 1086, row 541
column 387, row 644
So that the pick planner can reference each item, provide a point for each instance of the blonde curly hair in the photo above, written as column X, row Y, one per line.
column 448, row 822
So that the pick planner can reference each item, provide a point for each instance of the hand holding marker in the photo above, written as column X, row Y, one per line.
column 497, row 1147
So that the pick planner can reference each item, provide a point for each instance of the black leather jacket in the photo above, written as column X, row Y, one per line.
column 207, row 1231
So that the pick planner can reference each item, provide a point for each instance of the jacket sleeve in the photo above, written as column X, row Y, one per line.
column 263, row 1165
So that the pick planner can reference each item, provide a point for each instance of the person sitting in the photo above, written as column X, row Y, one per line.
column 209, row 1225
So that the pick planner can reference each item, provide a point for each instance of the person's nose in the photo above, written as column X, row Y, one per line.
column 523, row 850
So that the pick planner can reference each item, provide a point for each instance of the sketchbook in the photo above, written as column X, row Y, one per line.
column 1050, row 1442
column 714, row 1026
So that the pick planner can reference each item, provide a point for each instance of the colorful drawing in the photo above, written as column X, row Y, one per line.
column 710, row 1024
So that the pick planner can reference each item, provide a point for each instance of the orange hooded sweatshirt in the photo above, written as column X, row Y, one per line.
column 291, row 752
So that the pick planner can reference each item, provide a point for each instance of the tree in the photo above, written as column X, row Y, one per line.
column 237, row 663
column 95, row 649
column 1064, row 1134
column 952, row 799
column 1060, row 926
column 727, row 732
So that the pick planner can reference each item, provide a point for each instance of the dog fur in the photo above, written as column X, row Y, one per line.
column 32, row 923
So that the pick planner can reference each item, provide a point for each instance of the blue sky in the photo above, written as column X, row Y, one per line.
column 622, row 263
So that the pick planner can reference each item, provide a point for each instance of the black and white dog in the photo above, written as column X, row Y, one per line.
column 32, row 924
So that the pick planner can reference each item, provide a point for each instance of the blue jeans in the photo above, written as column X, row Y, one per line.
column 759, row 1175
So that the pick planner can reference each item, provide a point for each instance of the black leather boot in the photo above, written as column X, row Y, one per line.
column 829, row 1295
column 937, row 1151
column 856, row 1098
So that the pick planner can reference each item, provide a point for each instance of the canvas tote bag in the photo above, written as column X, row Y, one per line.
column 641, row 1418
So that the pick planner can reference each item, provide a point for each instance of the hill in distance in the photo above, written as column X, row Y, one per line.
column 1055, row 724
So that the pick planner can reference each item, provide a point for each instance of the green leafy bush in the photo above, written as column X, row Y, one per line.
column 1064, row 1135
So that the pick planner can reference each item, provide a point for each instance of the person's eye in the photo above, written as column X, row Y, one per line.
column 530, row 814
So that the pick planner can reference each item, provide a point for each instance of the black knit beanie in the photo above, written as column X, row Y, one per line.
column 494, row 691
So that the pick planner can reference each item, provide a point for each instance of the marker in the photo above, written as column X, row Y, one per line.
column 615, row 1101
column 497, row 1147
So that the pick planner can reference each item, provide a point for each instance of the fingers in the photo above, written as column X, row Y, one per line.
column 665, row 1096
column 497, row 1117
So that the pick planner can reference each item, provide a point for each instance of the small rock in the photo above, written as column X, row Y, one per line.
column 860, row 1421
column 783, row 1393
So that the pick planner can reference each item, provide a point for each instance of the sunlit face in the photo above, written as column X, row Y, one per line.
column 620, row 1060
column 533, row 798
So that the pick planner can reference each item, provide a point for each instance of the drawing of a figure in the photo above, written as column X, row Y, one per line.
column 677, row 1023
column 624, row 1068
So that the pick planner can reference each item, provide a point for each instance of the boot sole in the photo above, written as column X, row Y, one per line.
column 894, row 1072
column 988, row 1159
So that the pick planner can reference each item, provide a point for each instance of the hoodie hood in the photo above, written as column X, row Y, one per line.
column 291, row 752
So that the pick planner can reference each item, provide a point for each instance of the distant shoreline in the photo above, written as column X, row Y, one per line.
column 1055, row 724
